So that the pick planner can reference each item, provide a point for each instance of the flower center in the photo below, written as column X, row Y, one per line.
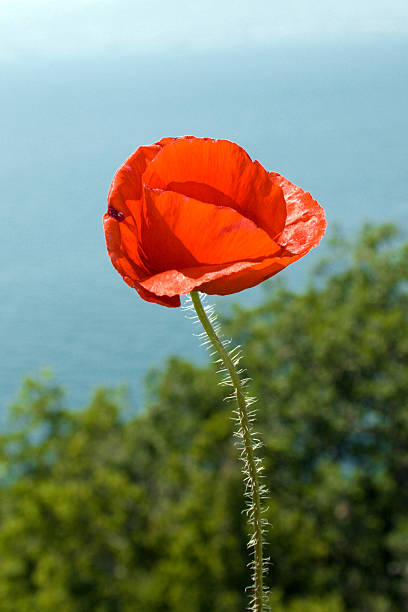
column 115, row 214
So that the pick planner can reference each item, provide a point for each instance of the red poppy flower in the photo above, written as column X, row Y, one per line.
column 191, row 213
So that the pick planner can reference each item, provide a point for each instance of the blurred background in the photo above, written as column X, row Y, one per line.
column 316, row 91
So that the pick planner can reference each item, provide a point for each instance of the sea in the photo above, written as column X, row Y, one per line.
column 331, row 117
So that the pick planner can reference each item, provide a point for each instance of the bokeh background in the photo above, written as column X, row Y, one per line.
column 314, row 90
column 125, row 501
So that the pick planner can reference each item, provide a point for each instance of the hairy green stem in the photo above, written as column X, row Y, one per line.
column 248, row 454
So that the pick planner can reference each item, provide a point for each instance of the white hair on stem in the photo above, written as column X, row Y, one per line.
column 246, row 438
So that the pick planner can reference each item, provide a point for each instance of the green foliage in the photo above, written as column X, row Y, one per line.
column 102, row 514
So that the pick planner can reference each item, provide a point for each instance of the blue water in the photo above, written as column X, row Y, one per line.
column 332, row 119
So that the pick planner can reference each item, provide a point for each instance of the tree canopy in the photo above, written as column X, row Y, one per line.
column 107, row 514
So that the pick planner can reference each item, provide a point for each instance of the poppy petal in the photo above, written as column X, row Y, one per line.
column 181, row 282
column 163, row 300
column 222, row 173
column 180, row 232
column 127, row 182
column 124, row 198
column 196, row 213
column 255, row 273
column 305, row 223
column 122, row 245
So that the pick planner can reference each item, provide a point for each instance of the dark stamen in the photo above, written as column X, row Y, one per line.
column 115, row 214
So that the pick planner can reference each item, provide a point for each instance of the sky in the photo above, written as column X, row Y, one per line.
column 92, row 27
